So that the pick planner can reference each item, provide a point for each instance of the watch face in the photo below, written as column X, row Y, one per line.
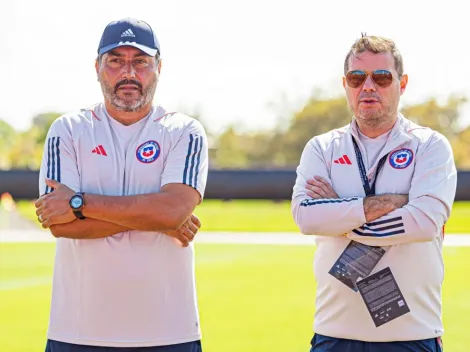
column 76, row 202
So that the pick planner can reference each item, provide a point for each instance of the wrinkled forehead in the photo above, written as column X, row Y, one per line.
column 369, row 61
column 126, row 52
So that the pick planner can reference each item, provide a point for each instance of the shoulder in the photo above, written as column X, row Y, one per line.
column 74, row 122
column 176, row 123
column 425, row 136
column 326, row 140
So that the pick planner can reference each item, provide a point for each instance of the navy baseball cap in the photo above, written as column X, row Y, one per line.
column 129, row 32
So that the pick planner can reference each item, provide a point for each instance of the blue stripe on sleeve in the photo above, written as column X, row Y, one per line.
column 48, row 162
column 193, row 159
column 53, row 160
column 309, row 202
column 190, row 147
column 58, row 159
column 379, row 234
column 384, row 221
column 198, row 162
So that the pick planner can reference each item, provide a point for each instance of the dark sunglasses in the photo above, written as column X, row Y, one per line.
column 356, row 78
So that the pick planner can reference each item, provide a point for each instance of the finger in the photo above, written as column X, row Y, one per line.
column 314, row 195
column 319, row 184
column 327, row 189
column 195, row 220
column 321, row 179
column 183, row 240
column 45, row 224
column 40, row 201
column 44, row 213
column 192, row 227
column 40, row 210
column 316, row 182
column 189, row 234
column 52, row 183
column 318, row 190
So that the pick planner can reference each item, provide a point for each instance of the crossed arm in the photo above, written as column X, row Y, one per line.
column 169, row 211
column 388, row 219
column 374, row 206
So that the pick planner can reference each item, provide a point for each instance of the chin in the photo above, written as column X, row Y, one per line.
column 370, row 115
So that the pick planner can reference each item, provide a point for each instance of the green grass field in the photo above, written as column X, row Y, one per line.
column 253, row 298
column 259, row 216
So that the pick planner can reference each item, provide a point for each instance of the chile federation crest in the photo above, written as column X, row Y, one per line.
column 148, row 152
column 401, row 159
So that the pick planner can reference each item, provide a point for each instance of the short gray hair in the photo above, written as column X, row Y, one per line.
column 375, row 45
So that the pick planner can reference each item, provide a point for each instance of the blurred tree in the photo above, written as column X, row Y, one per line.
column 282, row 146
column 26, row 152
column 318, row 116
column 42, row 122
column 230, row 150
column 8, row 138
column 461, row 147
column 440, row 117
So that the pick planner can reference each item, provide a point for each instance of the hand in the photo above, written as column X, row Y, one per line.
column 187, row 231
column 399, row 200
column 378, row 206
column 54, row 208
column 319, row 188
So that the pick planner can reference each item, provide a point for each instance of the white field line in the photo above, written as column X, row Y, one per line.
column 17, row 284
column 275, row 238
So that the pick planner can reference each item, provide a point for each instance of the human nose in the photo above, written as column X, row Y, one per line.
column 369, row 85
column 129, row 70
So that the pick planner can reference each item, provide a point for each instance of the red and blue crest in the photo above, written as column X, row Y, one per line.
column 148, row 152
column 401, row 159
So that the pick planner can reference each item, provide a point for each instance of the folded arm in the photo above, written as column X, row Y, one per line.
column 166, row 210
column 86, row 229
column 431, row 196
column 322, row 216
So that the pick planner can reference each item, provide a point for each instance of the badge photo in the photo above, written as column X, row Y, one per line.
column 148, row 152
column 401, row 159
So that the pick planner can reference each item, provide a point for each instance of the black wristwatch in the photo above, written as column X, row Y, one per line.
column 77, row 202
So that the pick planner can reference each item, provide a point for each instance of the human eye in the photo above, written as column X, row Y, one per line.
column 140, row 63
column 114, row 61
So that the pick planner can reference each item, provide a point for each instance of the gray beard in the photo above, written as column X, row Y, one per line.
column 378, row 119
column 125, row 105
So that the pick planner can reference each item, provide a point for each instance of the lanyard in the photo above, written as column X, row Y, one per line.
column 369, row 189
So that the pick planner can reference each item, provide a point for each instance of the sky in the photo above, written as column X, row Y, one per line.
column 244, row 63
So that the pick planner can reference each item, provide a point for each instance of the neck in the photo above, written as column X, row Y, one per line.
column 127, row 118
column 373, row 129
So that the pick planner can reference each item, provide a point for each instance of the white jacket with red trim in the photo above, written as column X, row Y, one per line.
column 419, row 163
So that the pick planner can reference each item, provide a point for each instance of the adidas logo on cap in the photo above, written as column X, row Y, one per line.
column 128, row 33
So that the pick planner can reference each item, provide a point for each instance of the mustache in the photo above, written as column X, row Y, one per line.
column 369, row 96
column 127, row 81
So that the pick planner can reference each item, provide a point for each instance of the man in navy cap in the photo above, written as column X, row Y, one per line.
column 119, row 182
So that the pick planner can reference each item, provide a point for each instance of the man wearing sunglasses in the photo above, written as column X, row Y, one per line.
column 377, row 194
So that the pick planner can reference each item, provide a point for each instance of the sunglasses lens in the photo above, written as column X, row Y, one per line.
column 382, row 78
column 355, row 78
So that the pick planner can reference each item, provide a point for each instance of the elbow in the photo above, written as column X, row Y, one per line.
column 306, row 225
column 313, row 229
column 56, row 231
column 428, row 232
column 305, row 229
column 422, row 227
